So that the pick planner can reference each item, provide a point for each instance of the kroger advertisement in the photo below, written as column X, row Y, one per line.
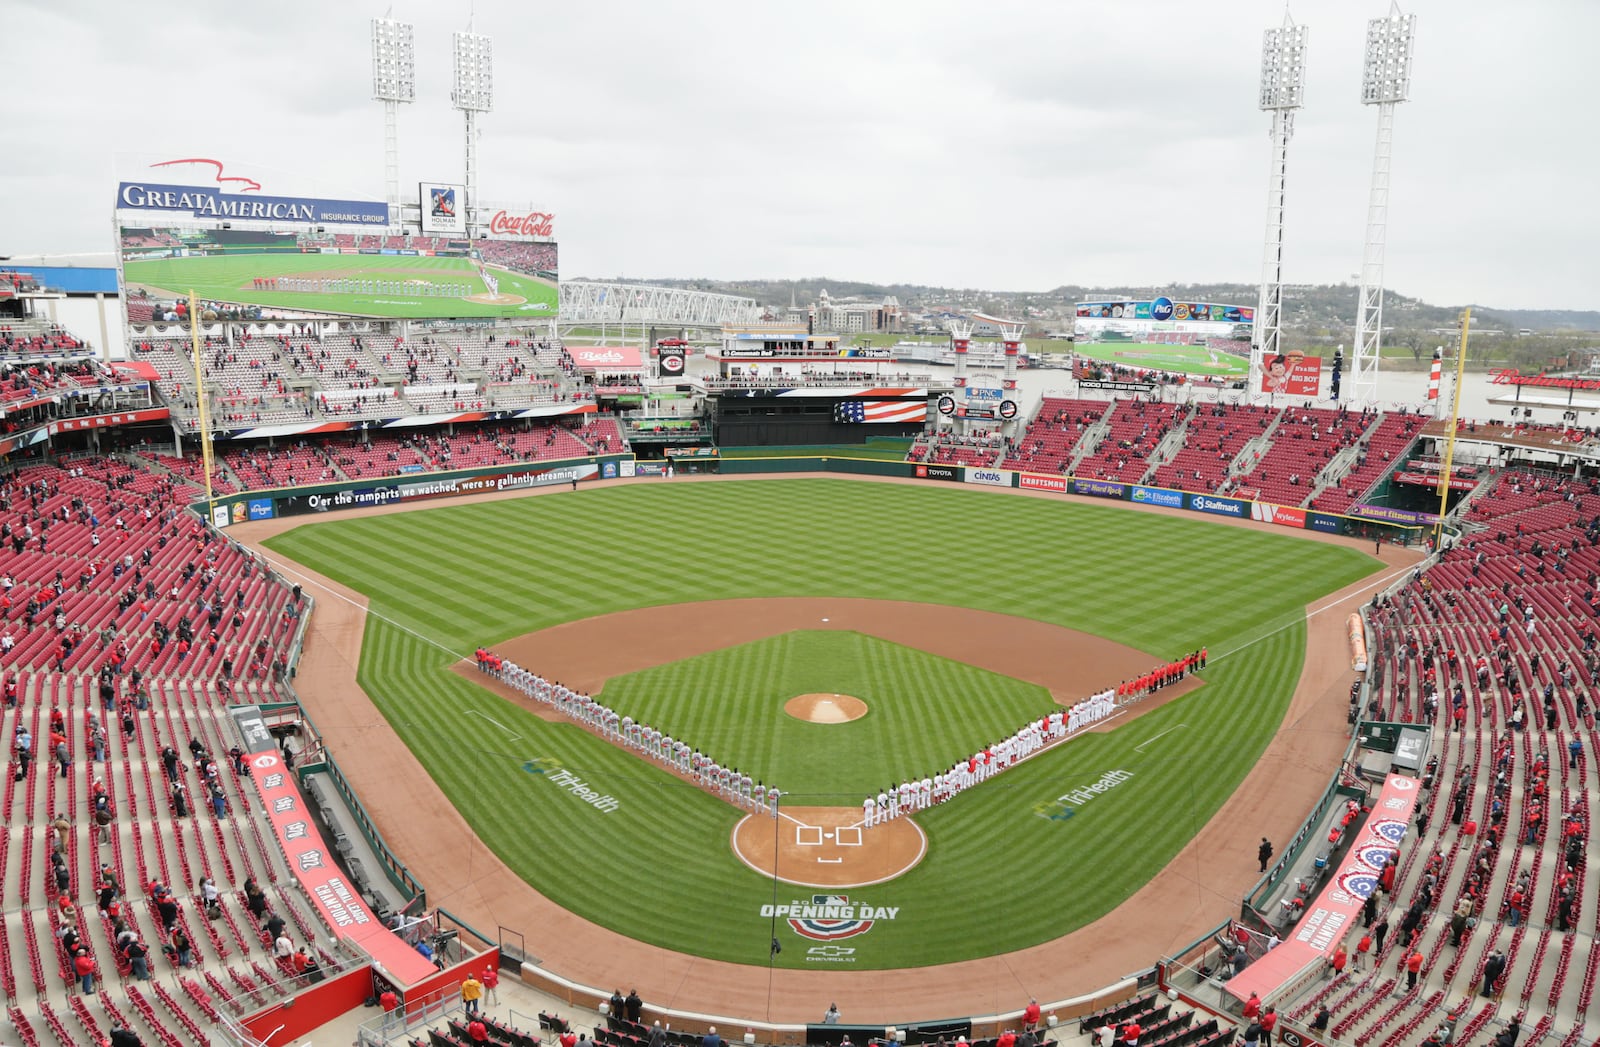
column 1161, row 315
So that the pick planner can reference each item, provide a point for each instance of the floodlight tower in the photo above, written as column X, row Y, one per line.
column 1283, row 79
column 1385, row 82
column 394, row 80
column 473, row 93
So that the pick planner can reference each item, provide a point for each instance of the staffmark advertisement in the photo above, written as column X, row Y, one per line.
column 1205, row 503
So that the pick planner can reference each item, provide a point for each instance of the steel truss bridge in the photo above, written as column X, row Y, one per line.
column 585, row 304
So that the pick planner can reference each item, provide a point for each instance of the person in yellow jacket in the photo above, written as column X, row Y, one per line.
column 471, row 993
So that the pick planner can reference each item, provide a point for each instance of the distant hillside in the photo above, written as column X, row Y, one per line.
column 1317, row 311
column 1548, row 319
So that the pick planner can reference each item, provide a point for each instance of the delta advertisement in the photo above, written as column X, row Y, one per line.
column 1336, row 910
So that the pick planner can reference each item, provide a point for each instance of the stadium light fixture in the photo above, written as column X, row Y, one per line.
column 1385, row 82
column 472, row 92
column 1283, row 88
column 1283, row 66
column 394, row 61
column 394, row 81
column 1386, row 73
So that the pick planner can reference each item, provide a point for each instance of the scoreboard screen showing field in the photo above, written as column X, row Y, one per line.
column 307, row 272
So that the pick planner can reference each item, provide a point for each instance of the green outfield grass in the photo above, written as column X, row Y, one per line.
column 466, row 575
column 228, row 278
column 1188, row 359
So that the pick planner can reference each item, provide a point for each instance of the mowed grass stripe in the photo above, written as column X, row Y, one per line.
column 471, row 574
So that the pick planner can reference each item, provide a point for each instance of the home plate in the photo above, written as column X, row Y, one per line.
column 827, row 836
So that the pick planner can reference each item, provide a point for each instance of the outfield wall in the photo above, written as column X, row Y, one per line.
column 268, row 504
column 358, row 494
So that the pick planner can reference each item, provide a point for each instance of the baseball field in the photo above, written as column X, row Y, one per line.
column 954, row 616
column 233, row 278
column 1188, row 359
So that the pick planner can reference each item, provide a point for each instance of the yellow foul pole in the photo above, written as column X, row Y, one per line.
column 1450, row 430
column 200, row 399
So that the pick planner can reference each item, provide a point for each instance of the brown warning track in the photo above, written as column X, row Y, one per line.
column 1199, row 888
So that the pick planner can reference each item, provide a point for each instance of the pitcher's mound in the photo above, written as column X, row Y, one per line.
column 825, row 708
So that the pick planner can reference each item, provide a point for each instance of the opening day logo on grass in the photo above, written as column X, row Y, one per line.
column 830, row 917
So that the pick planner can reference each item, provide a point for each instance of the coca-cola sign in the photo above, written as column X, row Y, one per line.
column 532, row 224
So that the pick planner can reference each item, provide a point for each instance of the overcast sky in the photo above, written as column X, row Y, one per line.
column 996, row 145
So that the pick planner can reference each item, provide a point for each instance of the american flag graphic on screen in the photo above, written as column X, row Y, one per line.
column 859, row 411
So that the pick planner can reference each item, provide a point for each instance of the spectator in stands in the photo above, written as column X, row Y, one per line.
column 390, row 1003
column 1493, row 968
column 711, row 1039
column 138, row 958
column 491, row 989
column 181, row 949
column 122, row 1036
column 83, row 969
column 477, row 1032
column 471, row 993
column 634, row 1005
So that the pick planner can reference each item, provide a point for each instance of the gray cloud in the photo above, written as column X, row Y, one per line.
column 1006, row 144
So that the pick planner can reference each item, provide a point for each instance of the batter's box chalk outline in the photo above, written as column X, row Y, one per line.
column 808, row 836
column 847, row 836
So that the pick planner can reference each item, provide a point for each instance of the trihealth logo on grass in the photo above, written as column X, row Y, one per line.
column 549, row 768
column 1062, row 807
column 830, row 917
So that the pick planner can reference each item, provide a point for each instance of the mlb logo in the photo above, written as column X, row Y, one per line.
column 444, row 203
